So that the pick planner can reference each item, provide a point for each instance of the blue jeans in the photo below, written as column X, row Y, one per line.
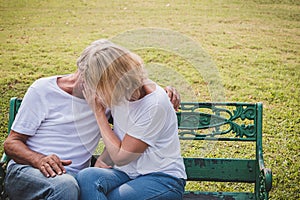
column 26, row 182
column 101, row 184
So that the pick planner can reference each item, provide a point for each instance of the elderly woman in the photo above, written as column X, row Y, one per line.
column 142, row 157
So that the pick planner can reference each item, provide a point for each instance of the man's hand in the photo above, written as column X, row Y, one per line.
column 16, row 148
column 51, row 165
column 174, row 96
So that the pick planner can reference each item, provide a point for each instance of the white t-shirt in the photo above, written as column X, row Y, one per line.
column 58, row 123
column 153, row 120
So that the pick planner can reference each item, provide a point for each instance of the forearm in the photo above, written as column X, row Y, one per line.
column 104, row 158
column 21, row 154
column 16, row 148
column 112, row 143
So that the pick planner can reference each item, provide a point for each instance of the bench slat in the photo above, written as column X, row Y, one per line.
column 218, row 195
column 221, row 170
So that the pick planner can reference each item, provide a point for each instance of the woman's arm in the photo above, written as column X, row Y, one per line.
column 121, row 152
column 104, row 160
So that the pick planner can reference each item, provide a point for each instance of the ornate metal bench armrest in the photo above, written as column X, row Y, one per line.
column 265, row 183
column 265, row 177
column 267, row 174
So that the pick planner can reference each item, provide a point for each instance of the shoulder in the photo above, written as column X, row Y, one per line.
column 161, row 96
column 44, row 81
column 156, row 98
column 41, row 87
column 155, row 102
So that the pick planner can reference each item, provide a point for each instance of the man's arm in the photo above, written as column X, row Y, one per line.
column 15, row 147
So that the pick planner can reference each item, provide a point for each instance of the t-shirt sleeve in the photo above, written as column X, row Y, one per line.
column 149, row 126
column 30, row 114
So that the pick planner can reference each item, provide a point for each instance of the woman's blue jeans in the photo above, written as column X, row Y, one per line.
column 25, row 182
column 112, row 184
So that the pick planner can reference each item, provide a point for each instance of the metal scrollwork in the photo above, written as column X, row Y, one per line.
column 221, row 120
column 243, row 130
column 244, row 113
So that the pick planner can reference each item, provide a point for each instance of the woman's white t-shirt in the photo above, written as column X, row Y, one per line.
column 153, row 120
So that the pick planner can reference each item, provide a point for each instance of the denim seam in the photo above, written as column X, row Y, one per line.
column 170, row 189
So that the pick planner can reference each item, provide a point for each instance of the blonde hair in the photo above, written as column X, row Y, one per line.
column 113, row 72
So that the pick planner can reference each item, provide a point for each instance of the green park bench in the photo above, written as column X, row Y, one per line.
column 233, row 124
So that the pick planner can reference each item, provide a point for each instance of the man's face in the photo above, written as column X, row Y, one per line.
column 77, row 90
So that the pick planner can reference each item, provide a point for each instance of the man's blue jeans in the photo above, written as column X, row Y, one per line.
column 26, row 182
column 100, row 183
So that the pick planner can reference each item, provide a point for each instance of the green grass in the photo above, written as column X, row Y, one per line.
column 254, row 45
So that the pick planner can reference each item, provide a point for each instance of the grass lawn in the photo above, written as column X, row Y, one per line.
column 253, row 45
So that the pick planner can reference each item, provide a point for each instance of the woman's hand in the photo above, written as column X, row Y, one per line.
column 104, row 160
column 93, row 100
column 99, row 163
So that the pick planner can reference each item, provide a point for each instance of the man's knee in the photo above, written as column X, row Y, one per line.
column 64, row 187
column 24, row 182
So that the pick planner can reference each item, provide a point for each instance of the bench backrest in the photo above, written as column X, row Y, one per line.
column 222, row 123
column 213, row 122
column 14, row 105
